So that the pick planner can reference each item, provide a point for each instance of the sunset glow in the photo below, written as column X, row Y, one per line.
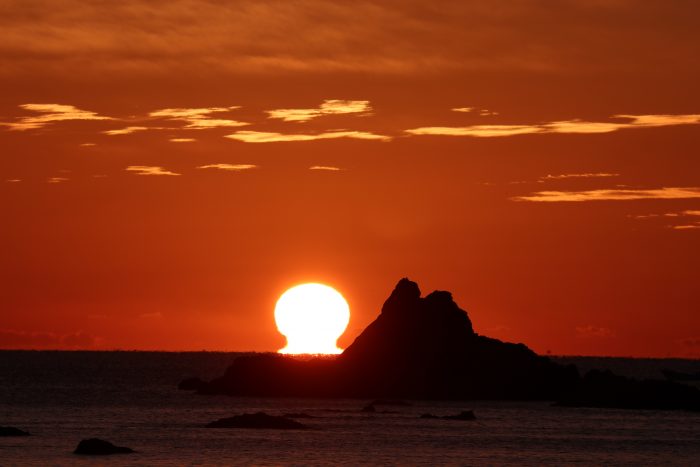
column 312, row 317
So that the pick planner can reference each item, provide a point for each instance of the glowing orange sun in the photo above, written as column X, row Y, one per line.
column 312, row 317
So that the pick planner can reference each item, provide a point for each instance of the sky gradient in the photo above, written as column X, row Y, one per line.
column 168, row 169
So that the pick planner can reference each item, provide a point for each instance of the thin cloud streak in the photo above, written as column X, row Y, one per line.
column 582, row 175
column 199, row 118
column 126, row 131
column 327, row 168
column 229, row 167
column 566, row 126
column 51, row 113
column 149, row 170
column 270, row 137
column 328, row 107
column 612, row 195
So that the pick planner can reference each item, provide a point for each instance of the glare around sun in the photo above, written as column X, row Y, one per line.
column 312, row 317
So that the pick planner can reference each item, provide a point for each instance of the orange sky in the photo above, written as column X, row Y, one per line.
column 538, row 159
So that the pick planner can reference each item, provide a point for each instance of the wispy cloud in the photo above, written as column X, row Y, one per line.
column 325, row 167
column 464, row 109
column 481, row 131
column 567, row 126
column 15, row 339
column 56, row 179
column 126, row 131
column 328, row 107
column 270, row 137
column 51, row 113
column 13, row 180
column 149, row 170
column 199, row 118
column 229, row 167
column 612, row 195
column 681, row 220
column 182, row 140
column 574, row 175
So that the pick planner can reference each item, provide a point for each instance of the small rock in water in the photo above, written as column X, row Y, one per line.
column 369, row 408
column 12, row 431
column 256, row 420
column 100, row 447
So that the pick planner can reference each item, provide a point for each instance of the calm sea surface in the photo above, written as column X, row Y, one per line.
column 131, row 399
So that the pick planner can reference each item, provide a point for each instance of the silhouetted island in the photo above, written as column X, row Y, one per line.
column 12, row 431
column 426, row 348
column 257, row 420
column 100, row 447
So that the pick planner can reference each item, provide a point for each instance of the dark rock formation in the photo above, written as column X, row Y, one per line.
column 191, row 384
column 298, row 415
column 256, row 420
column 369, row 408
column 417, row 348
column 12, row 431
column 464, row 415
column 680, row 376
column 605, row 389
column 99, row 447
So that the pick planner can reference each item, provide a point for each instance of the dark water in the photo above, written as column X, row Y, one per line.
column 131, row 399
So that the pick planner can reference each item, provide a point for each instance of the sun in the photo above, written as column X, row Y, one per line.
column 312, row 317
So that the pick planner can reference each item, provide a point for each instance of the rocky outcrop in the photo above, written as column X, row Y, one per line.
column 99, row 447
column 417, row 348
column 257, row 420
column 464, row 415
column 12, row 431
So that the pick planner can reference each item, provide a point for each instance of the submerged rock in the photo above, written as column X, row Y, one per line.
column 257, row 420
column 417, row 348
column 393, row 402
column 12, row 431
column 100, row 447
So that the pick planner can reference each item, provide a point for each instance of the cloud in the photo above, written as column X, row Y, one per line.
column 229, row 167
column 263, row 36
column 590, row 331
column 182, row 140
column 14, row 339
column 57, row 180
column 686, row 227
column 327, row 168
column 464, row 109
column 269, row 137
column 126, row 131
column 581, row 175
column 13, row 180
column 199, row 118
column 482, row 131
column 87, row 145
column 612, row 195
column 328, row 107
column 149, row 170
column 567, row 126
column 51, row 113
column 684, row 220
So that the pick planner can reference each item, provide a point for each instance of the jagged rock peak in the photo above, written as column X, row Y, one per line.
column 406, row 294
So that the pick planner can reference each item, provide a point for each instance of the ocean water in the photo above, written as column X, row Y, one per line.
column 131, row 399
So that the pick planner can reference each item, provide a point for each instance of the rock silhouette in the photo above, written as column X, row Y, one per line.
column 99, row 447
column 417, row 348
column 257, row 420
column 12, row 431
